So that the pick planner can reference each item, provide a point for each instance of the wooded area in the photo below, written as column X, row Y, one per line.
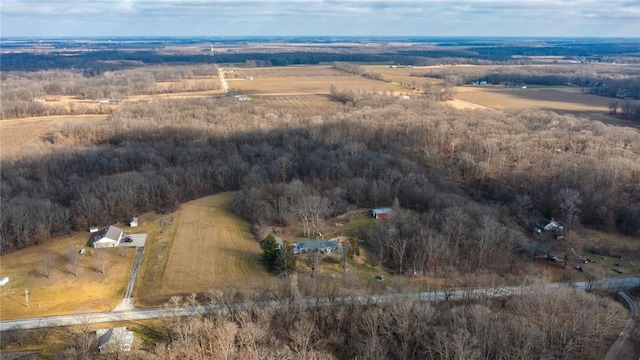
column 433, row 159
column 561, row 323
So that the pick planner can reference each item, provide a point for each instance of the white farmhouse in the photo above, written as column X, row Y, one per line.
column 108, row 237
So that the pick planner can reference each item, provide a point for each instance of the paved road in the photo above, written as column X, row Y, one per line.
column 612, row 284
column 617, row 348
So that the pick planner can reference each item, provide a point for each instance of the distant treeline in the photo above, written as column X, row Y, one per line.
column 97, row 62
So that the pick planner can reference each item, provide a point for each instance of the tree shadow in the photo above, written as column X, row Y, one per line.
column 17, row 302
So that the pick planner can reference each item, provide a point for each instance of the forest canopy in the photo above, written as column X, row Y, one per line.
column 433, row 159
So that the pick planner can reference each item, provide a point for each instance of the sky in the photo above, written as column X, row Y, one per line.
column 535, row 18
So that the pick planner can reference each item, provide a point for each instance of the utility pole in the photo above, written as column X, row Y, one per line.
column 26, row 296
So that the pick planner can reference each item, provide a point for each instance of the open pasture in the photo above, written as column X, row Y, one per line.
column 16, row 134
column 62, row 293
column 211, row 248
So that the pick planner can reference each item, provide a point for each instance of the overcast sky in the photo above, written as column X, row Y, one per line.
column 554, row 18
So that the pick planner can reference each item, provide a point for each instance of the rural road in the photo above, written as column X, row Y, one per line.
column 612, row 284
column 618, row 348
column 222, row 79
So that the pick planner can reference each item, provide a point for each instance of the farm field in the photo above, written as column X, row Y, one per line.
column 553, row 99
column 62, row 293
column 18, row 133
column 403, row 75
column 298, row 101
column 185, row 85
column 211, row 248
column 301, row 85
column 283, row 71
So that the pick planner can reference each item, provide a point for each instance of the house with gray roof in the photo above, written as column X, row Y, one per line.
column 108, row 237
column 307, row 246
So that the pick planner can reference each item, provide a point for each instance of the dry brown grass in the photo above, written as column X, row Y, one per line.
column 63, row 293
column 18, row 133
column 211, row 248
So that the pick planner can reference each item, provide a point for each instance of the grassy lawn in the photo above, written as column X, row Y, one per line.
column 204, row 247
column 63, row 292
column 618, row 252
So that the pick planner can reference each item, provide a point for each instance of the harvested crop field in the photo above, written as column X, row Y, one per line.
column 298, row 101
column 285, row 71
column 300, row 85
column 536, row 98
column 18, row 133
column 211, row 248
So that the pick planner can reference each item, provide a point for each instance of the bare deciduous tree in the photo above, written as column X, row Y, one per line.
column 47, row 262
column 102, row 257
column 73, row 259
column 314, row 257
column 570, row 201
column 311, row 210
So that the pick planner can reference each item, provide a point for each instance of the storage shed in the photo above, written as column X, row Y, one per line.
column 381, row 213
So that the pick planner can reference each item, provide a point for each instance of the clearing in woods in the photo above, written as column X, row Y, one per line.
column 211, row 248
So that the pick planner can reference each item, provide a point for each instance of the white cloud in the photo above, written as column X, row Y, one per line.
column 321, row 17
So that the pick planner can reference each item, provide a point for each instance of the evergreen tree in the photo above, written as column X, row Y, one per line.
column 270, row 249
